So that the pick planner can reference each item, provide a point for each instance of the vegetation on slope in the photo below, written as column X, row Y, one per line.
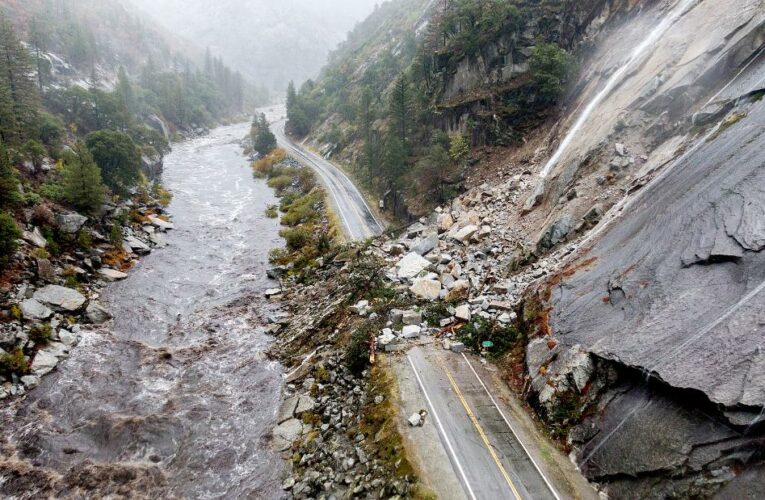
column 390, row 101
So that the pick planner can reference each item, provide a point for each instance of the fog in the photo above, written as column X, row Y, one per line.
column 269, row 41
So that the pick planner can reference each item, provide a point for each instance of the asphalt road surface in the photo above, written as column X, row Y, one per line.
column 487, row 457
column 359, row 222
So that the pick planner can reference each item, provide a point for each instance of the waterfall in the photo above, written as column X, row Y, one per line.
column 615, row 79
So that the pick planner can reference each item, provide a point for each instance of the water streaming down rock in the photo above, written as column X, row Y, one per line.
column 637, row 55
column 175, row 400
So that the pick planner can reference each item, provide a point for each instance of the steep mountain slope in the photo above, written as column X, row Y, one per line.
column 625, row 223
column 287, row 40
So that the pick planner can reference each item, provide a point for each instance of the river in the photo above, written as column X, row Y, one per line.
column 175, row 398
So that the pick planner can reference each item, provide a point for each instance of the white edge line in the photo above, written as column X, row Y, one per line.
column 441, row 429
column 539, row 470
column 326, row 184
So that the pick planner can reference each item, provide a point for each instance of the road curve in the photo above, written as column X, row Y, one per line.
column 359, row 222
column 486, row 454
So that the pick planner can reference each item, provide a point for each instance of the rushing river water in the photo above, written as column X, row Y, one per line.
column 175, row 399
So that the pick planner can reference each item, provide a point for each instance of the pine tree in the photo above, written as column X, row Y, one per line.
column 9, row 184
column 82, row 183
column 18, row 98
column 400, row 109
column 38, row 38
column 263, row 140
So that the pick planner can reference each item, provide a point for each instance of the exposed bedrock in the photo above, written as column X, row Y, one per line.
column 673, row 293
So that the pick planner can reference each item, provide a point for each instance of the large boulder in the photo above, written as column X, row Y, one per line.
column 33, row 310
column 35, row 238
column 70, row 223
column 411, row 265
column 426, row 244
column 555, row 232
column 60, row 298
column 426, row 288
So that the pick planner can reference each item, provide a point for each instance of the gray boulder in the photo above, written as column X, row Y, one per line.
column 33, row 310
column 555, row 232
column 97, row 314
column 34, row 238
column 426, row 244
column 137, row 245
column 60, row 298
column 70, row 223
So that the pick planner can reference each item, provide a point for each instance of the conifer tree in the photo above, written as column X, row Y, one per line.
column 9, row 184
column 82, row 183
column 18, row 95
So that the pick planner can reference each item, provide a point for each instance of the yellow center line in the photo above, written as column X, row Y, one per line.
column 480, row 431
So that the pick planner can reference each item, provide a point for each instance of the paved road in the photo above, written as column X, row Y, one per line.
column 359, row 222
column 487, row 457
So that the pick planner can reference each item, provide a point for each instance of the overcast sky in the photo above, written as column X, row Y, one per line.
column 270, row 41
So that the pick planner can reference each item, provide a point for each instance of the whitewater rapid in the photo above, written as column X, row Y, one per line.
column 175, row 399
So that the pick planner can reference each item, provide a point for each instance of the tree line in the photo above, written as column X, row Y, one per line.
column 96, row 138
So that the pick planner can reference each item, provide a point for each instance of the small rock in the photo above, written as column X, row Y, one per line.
column 111, row 274
column 272, row 292
column 43, row 363
column 457, row 347
column 412, row 318
column 462, row 312
column 464, row 234
column 460, row 291
column 411, row 332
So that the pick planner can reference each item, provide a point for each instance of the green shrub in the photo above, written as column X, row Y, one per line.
column 357, row 350
column 40, row 253
column 40, row 334
column 115, row 234
column 296, row 237
column 9, row 233
column 272, row 211
column 478, row 330
column 550, row 66
column 14, row 362
column 35, row 153
column 84, row 240
column 280, row 182
column 303, row 210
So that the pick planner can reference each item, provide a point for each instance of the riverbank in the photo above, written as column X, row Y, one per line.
column 173, row 398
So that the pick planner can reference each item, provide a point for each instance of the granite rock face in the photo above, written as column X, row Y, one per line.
column 678, row 285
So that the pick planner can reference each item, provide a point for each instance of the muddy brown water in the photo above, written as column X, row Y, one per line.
column 174, row 399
